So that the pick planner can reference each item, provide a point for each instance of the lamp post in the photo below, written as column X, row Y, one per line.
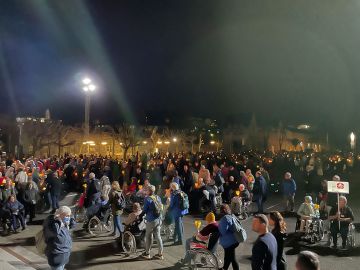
column 88, row 88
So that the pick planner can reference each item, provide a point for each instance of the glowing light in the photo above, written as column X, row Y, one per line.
column 174, row 139
column 144, row 142
column 92, row 144
column 159, row 142
column 212, row 142
column 104, row 143
column 85, row 88
column 86, row 81
column 167, row 142
column 92, row 87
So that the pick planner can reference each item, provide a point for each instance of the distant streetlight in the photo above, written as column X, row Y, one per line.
column 212, row 142
column 352, row 141
column 167, row 142
column 174, row 139
column 87, row 88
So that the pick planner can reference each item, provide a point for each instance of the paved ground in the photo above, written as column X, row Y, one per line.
column 105, row 253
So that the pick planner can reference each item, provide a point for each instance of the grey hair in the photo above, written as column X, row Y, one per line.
column 343, row 198
column 174, row 186
column 63, row 210
column 152, row 188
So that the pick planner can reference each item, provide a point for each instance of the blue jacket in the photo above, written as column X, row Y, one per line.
column 57, row 236
column 175, row 205
column 289, row 187
column 149, row 207
column 14, row 206
column 259, row 189
column 227, row 237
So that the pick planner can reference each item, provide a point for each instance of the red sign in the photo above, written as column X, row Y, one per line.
column 340, row 185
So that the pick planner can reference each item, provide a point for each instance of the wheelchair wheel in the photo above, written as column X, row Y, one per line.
column 128, row 242
column 168, row 231
column 79, row 214
column 203, row 259
column 351, row 236
column 320, row 230
column 204, row 205
column 109, row 224
column 220, row 256
column 95, row 226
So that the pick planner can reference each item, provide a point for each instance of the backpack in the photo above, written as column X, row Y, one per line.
column 238, row 230
column 158, row 206
column 121, row 202
column 183, row 200
column 40, row 242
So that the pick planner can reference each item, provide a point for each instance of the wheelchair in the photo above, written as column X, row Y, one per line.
column 101, row 223
column 167, row 227
column 133, row 237
column 205, row 203
column 354, row 228
column 240, row 208
column 5, row 221
column 315, row 231
column 203, row 258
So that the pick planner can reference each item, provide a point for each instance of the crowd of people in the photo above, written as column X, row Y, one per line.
column 171, row 185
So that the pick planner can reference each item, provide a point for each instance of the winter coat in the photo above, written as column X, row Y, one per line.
column 175, row 205
column 227, row 237
column 30, row 196
column 58, row 241
column 289, row 187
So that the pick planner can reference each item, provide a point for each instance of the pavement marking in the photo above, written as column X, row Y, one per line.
column 22, row 258
column 272, row 206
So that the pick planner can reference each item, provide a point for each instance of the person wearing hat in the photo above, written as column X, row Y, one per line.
column 212, row 229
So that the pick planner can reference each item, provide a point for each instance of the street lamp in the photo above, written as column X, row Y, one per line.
column 88, row 87
column 352, row 141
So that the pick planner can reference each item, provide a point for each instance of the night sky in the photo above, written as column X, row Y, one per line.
column 295, row 61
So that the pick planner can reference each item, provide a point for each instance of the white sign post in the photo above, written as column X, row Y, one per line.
column 338, row 187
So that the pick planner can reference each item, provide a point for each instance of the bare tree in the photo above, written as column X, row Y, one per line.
column 41, row 134
column 129, row 137
column 155, row 136
column 61, row 139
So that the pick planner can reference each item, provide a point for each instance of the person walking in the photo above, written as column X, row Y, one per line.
column 152, row 209
column 57, row 237
column 276, row 221
column 264, row 251
column 54, row 185
column 259, row 191
column 116, row 208
column 177, row 212
column 227, row 238
column 29, row 198
column 289, row 189
column 93, row 191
